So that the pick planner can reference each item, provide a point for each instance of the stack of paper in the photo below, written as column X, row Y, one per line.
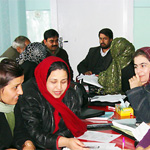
column 109, row 98
column 96, row 136
column 90, row 79
column 129, row 127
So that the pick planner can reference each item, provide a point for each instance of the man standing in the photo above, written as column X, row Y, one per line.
column 18, row 46
column 51, row 41
column 98, row 58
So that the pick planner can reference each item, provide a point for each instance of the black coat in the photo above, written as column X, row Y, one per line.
column 139, row 97
column 38, row 115
column 20, row 134
column 92, row 59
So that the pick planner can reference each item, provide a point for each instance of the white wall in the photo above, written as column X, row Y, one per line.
column 79, row 21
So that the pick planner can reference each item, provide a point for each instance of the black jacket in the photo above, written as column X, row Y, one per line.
column 139, row 97
column 7, row 140
column 38, row 115
column 92, row 59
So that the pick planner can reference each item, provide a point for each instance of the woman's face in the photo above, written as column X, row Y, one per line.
column 142, row 68
column 10, row 93
column 57, row 82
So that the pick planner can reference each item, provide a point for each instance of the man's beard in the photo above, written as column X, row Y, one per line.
column 105, row 46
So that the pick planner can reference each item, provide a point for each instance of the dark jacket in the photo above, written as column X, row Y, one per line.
column 7, row 140
column 92, row 59
column 126, row 74
column 63, row 55
column 38, row 115
column 11, row 53
column 139, row 98
column 28, row 68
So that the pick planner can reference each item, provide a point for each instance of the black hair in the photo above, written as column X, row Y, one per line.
column 50, row 33
column 9, row 69
column 57, row 65
column 107, row 32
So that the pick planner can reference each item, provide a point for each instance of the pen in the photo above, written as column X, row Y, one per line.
column 123, row 143
column 95, row 147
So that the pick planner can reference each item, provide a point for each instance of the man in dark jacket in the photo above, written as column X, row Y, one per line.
column 98, row 58
column 18, row 46
column 51, row 41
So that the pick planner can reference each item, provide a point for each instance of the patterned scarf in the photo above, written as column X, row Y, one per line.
column 34, row 52
column 122, row 52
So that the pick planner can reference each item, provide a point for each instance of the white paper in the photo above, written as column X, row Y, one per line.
column 90, row 79
column 101, row 146
column 108, row 98
column 99, row 136
column 125, row 124
column 140, row 131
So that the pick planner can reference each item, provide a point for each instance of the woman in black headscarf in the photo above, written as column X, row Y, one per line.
column 33, row 54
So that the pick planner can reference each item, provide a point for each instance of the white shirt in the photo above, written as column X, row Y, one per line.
column 102, row 53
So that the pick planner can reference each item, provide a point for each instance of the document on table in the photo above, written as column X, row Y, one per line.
column 108, row 98
column 90, row 79
column 140, row 131
column 99, row 136
column 129, row 124
column 97, row 146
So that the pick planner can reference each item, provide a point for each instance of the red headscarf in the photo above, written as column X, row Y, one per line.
column 147, row 52
column 73, row 123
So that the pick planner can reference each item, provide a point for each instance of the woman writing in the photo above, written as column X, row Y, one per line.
column 12, row 133
column 49, row 107
column 139, row 94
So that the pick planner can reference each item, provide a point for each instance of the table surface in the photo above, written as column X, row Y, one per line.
column 129, row 143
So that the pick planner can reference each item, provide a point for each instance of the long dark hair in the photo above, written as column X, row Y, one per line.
column 9, row 69
column 58, row 65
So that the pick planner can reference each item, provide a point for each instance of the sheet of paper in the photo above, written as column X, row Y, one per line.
column 123, row 126
column 99, row 136
column 108, row 98
column 140, row 131
column 101, row 146
column 90, row 79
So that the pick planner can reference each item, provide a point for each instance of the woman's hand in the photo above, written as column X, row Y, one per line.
column 71, row 143
column 135, row 82
column 28, row 145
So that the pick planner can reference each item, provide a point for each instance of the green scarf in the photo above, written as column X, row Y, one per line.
column 8, row 110
column 122, row 51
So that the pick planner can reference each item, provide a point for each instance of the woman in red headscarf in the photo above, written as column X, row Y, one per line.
column 49, row 107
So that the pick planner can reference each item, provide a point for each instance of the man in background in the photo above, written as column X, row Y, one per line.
column 18, row 46
column 98, row 58
column 51, row 41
